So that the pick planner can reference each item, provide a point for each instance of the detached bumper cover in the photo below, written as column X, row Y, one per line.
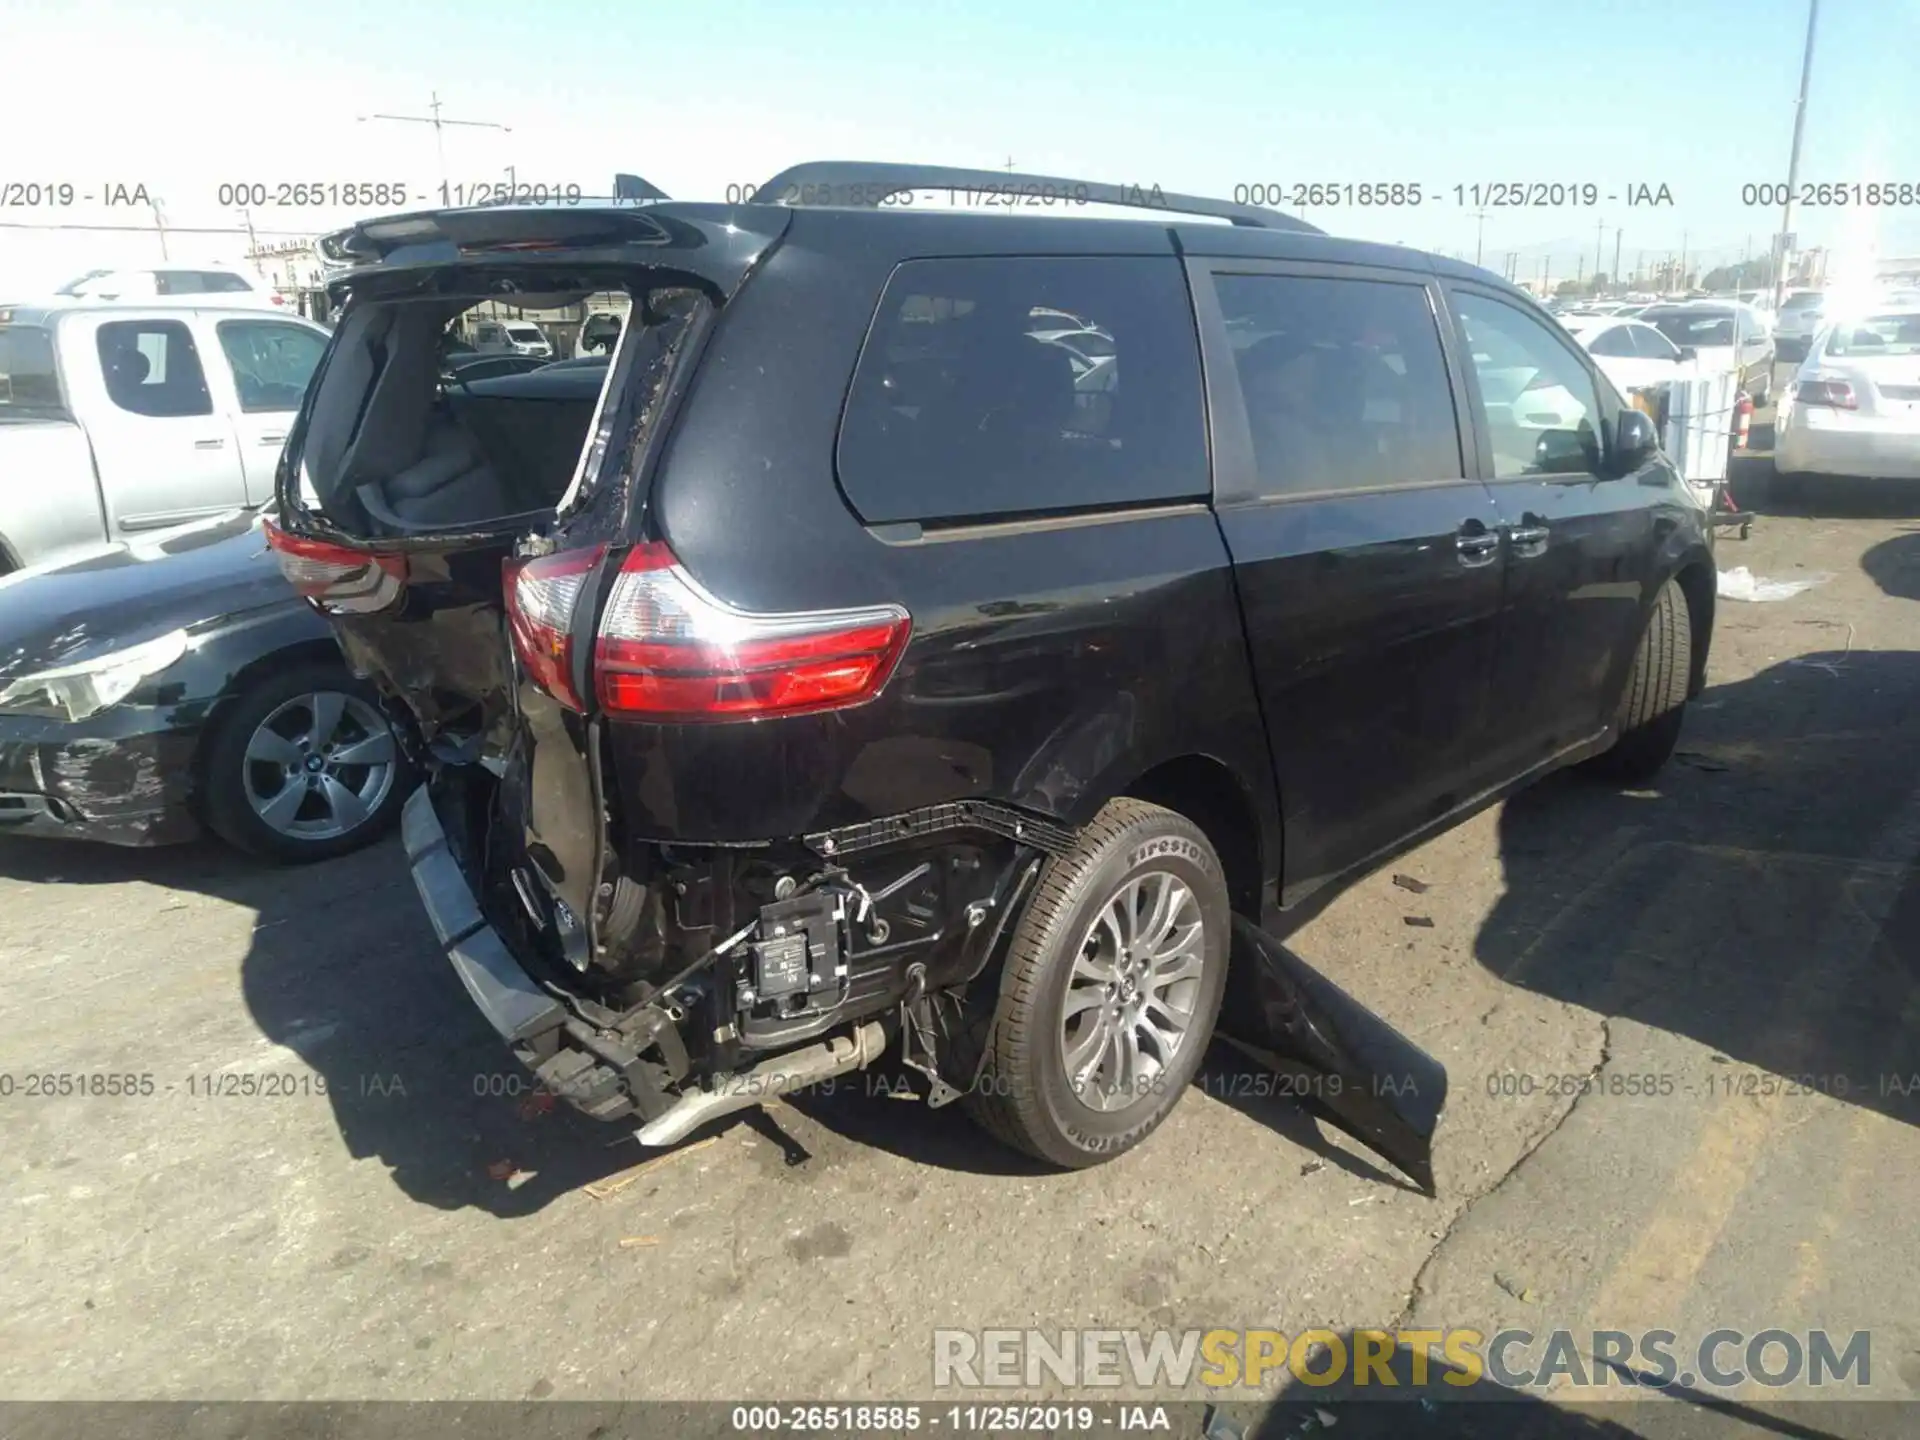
column 124, row 777
column 513, row 1003
column 1367, row 1078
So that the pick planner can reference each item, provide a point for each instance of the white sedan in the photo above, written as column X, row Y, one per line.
column 1854, row 408
column 1630, row 353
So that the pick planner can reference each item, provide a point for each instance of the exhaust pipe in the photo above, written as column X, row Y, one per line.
column 779, row 1075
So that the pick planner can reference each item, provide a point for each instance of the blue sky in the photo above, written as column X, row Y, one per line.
column 1202, row 97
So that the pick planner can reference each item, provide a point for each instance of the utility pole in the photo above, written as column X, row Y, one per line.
column 1616, row 257
column 439, row 123
column 1599, row 239
column 1683, row 262
column 1793, row 158
column 253, row 244
column 1479, row 233
column 160, row 224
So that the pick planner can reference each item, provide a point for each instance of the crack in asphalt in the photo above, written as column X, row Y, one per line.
column 1414, row 1292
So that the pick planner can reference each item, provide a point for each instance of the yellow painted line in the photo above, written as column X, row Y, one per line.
column 1651, row 1282
column 1649, row 1285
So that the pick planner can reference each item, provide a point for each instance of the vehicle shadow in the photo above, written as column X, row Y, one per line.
column 1452, row 1399
column 1761, row 897
column 343, row 970
column 1759, row 488
column 1894, row 564
column 856, row 1108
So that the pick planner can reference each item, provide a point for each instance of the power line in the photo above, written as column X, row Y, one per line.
column 169, row 229
column 439, row 123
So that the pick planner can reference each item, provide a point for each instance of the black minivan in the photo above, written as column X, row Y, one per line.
column 956, row 626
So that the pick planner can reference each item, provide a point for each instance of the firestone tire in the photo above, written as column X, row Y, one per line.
column 1150, row 873
column 1654, row 705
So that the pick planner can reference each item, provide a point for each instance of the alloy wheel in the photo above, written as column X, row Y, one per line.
column 1132, row 992
column 320, row 765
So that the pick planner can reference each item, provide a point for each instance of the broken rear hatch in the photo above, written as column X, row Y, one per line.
column 408, row 493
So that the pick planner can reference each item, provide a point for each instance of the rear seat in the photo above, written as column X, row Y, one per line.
column 450, row 482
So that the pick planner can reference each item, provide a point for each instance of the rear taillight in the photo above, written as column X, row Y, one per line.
column 667, row 650
column 1837, row 393
column 337, row 578
column 541, row 596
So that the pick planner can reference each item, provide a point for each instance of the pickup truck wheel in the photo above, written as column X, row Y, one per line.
column 303, row 766
column 1111, row 987
column 1655, row 702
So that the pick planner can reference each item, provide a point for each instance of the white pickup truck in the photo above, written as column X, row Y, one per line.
column 118, row 418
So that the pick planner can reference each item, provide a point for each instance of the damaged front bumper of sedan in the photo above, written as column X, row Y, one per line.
column 785, row 966
column 122, row 777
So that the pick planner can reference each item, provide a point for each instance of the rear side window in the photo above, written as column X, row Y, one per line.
column 1650, row 344
column 29, row 381
column 1616, row 343
column 218, row 282
column 1013, row 386
column 152, row 368
column 1345, row 382
column 271, row 362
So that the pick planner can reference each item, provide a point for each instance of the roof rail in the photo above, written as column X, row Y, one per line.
column 867, row 184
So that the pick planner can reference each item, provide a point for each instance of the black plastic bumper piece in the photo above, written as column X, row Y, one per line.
column 1367, row 1078
column 510, row 999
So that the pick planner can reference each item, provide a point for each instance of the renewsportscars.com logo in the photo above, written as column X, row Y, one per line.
column 1156, row 1360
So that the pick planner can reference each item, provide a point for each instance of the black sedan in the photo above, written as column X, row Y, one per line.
column 148, row 693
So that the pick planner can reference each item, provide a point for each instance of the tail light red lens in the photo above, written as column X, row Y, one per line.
column 667, row 650
column 541, row 596
column 338, row 578
column 1837, row 393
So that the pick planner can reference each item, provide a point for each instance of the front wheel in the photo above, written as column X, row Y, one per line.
column 303, row 766
column 1655, row 702
column 1110, row 991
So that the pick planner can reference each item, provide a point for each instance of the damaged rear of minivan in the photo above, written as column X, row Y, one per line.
column 738, row 780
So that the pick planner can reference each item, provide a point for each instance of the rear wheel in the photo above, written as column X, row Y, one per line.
column 1655, row 702
column 1110, row 991
column 303, row 766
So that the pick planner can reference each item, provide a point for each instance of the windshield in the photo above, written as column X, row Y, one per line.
column 1702, row 329
column 1811, row 301
column 524, row 332
column 1895, row 334
column 29, row 382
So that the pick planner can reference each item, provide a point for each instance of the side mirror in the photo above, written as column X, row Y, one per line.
column 1563, row 452
column 1635, row 441
column 1687, row 355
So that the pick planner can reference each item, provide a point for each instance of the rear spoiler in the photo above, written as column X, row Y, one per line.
column 374, row 239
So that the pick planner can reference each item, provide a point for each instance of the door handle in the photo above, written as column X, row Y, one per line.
column 273, row 439
column 1477, row 548
column 1528, row 540
column 209, row 444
